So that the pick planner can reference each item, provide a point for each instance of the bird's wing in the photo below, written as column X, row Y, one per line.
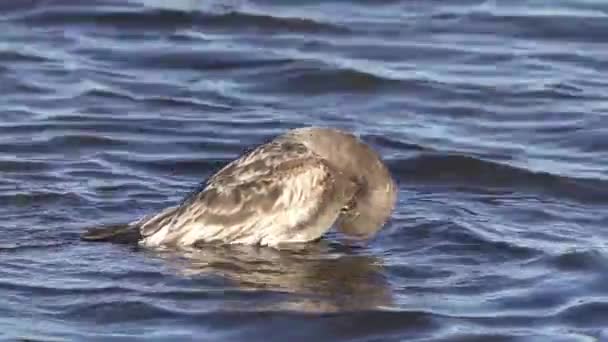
column 278, row 192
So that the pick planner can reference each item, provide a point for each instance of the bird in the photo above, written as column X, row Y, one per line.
column 290, row 190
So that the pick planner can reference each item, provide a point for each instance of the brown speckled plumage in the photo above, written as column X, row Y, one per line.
column 290, row 190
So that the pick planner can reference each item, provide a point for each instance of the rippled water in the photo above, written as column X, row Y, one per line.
column 491, row 114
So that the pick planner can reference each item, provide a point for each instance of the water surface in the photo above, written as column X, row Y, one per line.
column 490, row 114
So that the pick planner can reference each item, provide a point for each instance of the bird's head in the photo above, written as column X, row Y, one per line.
column 376, row 194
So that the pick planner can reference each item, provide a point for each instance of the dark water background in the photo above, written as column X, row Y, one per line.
column 493, row 116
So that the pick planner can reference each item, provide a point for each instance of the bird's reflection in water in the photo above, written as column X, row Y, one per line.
column 318, row 277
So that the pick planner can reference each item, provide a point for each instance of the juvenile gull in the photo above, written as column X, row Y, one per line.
column 290, row 190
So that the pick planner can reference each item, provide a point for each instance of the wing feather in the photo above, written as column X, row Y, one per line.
column 279, row 192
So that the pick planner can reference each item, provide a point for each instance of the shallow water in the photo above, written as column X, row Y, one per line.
column 491, row 114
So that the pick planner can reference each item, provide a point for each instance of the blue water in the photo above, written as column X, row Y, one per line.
column 492, row 115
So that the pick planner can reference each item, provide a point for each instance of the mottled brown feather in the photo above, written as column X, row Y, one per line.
column 290, row 190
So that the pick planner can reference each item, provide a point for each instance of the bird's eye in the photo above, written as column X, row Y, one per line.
column 348, row 207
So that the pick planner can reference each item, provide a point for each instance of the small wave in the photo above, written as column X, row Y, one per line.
column 363, row 325
column 85, row 140
column 164, row 19
column 448, row 243
column 267, row 22
column 181, row 166
column 117, row 312
column 186, row 102
column 16, row 247
column 193, row 60
column 12, row 56
column 463, row 243
column 56, row 144
column 42, row 290
column 92, row 129
column 324, row 81
column 478, row 173
column 385, row 141
column 132, row 276
column 579, row 28
column 20, row 166
column 586, row 313
column 579, row 261
column 37, row 198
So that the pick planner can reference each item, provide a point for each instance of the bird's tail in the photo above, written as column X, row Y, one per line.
column 117, row 233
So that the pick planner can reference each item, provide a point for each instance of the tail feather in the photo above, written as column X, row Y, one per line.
column 118, row 233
